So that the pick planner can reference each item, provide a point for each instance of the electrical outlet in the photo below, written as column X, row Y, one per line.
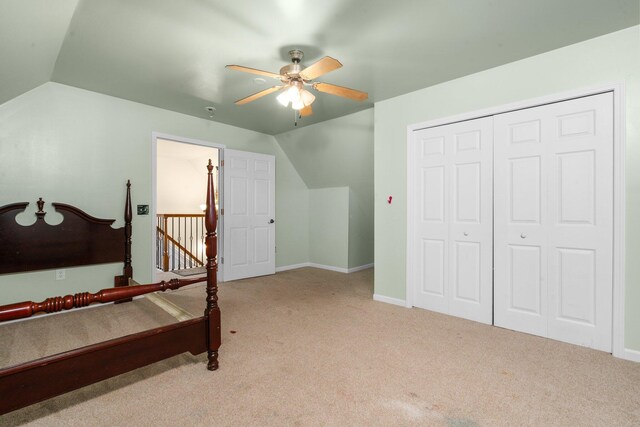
column 61, row 274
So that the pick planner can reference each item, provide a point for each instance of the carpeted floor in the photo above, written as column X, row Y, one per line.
column 190, row 271
column 312, row 348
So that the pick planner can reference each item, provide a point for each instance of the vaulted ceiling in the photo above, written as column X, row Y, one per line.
column 171, row 54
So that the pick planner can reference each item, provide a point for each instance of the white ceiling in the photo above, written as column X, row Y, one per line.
column 189, row 152
column 171, row 54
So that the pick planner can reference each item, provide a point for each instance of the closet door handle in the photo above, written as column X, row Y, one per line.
column 271, row 221
column 523, row 236
column 466, row 233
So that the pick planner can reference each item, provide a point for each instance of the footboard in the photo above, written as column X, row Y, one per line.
column 41, row 379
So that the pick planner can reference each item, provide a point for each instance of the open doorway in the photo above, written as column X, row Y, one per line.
column 180, row 188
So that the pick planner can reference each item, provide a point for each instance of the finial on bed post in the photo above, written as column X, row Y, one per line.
column 212, row 312
column 40, row 203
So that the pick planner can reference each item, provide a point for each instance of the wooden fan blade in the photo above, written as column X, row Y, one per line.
column 258, row 95
column 345, row 92
column 320, row 67
column 254, row 71
column 306, row 111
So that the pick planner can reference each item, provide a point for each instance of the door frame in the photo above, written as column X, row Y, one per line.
column 619, row 186
column 154, row 189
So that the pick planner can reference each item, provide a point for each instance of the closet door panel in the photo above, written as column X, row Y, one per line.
column 430, row 248
column 580, row 151
column 452, row 245
column 470, row 226
column 520, row 243
column 553, row 207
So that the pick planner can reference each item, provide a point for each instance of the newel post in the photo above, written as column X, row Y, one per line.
column 165, row 244
column 212, row 312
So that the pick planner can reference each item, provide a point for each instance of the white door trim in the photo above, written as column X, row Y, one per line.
column 619, row 185
column 154, row 188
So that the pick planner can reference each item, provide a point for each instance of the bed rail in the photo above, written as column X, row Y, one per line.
column 25, row 309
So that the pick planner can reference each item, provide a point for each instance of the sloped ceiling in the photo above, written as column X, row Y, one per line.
column 171, row 54
column 333, row 154
column 31, row 34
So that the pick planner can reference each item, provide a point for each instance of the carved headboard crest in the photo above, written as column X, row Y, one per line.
column 80, row 239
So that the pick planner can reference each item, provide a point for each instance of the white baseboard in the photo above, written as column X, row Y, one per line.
column 389, row 300
column 329, row 267
column 323, row 267
column 360, row 268
column 292, row 267
column 628, row 354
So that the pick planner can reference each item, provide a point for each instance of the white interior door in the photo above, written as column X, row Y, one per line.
column 554, row 220
column 249, row 214
column 452, row 246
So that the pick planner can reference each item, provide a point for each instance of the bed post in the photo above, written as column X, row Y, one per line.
column 127, row 270
column 212, row 312
column 128, row 216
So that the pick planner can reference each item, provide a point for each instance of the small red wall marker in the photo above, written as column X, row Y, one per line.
column 389, row 199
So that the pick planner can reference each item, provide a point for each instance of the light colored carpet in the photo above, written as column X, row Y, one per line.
column 311, row 348
column 190, row 271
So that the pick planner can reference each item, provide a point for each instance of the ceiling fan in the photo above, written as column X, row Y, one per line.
column 295, row 78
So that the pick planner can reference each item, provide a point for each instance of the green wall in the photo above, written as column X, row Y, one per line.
column 79, row 147
column 608, row 59
column 338, row 153
column 329, row 226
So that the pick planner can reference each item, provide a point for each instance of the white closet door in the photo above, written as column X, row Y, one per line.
column 249, row 214
column 554, row 220
column 452, row 246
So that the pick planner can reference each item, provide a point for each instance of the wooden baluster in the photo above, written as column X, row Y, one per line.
column 173, row 247
column 212, row 312
column 190, row 241
column 165, row 245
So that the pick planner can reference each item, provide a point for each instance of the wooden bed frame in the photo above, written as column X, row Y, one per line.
column 83, row 240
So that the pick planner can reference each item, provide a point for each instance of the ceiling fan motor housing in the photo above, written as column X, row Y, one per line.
column 294, row 68
column 291, row 69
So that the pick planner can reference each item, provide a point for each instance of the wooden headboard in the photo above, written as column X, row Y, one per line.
column 79, row 239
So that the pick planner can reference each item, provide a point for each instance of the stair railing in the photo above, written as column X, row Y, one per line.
column 180, row 241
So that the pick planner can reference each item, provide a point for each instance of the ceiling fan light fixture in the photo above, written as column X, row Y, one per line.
column 291, row 95
column 307, row 97
column 283, row 98
column 297, row 105
column 294, row 93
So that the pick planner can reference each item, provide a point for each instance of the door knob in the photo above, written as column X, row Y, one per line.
column 523, row 236
column 466, row 233
column 271, row 221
